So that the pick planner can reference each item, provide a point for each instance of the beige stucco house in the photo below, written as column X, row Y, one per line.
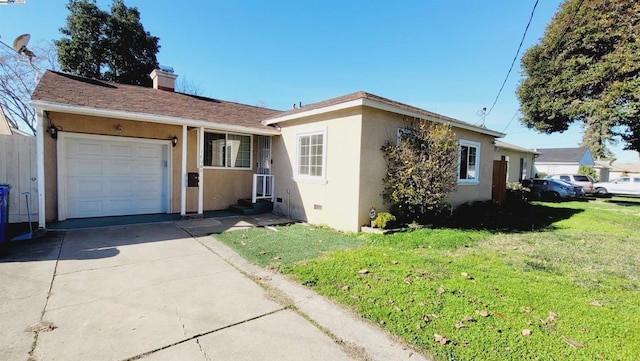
column 520, row 161
column 109, row 149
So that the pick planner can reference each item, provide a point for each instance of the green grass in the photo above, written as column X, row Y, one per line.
column 287, row 245
column 576, row 281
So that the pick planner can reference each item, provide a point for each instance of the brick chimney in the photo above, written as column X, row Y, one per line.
column 164, row 78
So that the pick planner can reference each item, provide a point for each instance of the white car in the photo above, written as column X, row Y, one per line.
column 624, row 185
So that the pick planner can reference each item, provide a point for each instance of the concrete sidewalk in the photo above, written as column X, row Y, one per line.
column 155, row 292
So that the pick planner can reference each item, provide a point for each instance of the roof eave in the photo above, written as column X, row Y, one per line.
column 386, row 107
column 146, row 117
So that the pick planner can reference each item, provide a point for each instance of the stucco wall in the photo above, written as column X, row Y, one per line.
column 355, row 168
column 381, row 126
column 333, row 202
column 513, row 165
column 222, row 187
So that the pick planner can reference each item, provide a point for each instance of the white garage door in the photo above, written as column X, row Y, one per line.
column 112, row 176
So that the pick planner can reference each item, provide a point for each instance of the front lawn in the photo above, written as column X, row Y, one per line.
column 569, row 290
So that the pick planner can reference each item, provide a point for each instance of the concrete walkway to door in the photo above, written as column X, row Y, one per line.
column 165, row 291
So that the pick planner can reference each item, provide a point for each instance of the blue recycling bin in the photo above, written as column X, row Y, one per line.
column 4, row 211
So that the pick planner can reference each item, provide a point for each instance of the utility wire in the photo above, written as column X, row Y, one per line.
column 566, row 28
column 512, row 118
column 514, row 58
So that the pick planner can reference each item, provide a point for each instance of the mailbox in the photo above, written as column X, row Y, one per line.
column 193, row 179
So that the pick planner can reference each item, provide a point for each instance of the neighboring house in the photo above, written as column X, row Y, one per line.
column 603, row 168
column 5, row 129
column 520, row 161
column 563, row 160
column 111, row 149
column 624, row 169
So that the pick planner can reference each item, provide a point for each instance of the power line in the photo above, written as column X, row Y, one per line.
column 566, row 28
column 512, row 118
column 514, row 58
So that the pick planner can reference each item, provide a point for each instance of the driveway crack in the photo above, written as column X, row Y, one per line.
column 197, row 336
column 184, row 330
column 206, row 357
column 43, row 326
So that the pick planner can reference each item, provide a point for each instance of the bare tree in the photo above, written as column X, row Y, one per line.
column 18, row 78
column 187, row 86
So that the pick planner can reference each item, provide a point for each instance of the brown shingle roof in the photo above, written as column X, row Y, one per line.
column 66, row 89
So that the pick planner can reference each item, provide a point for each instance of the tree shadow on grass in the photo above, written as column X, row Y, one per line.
column 508, row 218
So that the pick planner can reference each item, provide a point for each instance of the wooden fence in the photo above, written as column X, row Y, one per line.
column 18, row 169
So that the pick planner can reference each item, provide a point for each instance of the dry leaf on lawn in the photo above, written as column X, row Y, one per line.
column 363, row 271
column 572, row 343
column 460, row 325
column 482, row 313
column 526, row 332
column 441, row 290
column 468, row 319
column 440, row 339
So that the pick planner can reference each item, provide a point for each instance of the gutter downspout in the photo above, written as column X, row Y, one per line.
column 40, row 167
column 183, row 173
column 200, row 170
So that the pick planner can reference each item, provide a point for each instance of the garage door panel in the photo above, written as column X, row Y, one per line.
column 85, row 167
column 148, row 152
column 146, row 169
column 82, row 149
column 85, row 186
column 86, row 207
column 111, row 177
column 121, row 168
column 120, row 150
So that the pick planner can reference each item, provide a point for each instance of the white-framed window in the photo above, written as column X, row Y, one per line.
column 226, row 150
column 401, row 132
column 311, row 157
column 468, row 162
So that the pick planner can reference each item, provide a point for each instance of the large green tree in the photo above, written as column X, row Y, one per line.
column 421, row 171
column 586, row 68
column 107, row 45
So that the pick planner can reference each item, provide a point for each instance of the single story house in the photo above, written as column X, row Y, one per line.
column 109, row 149
column 623, row 170
column 563, row 160
column 520, row 161
column 5, row 129
column 603, row 168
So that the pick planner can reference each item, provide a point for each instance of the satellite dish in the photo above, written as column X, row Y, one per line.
column 20, row 46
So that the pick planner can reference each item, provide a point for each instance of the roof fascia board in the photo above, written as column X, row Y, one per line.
column 308, row 113
column 382, row 106
column 146, row 117
column 390, row 108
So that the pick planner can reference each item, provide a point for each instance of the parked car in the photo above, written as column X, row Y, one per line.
column 582, row 180
column 552, row 188
column 623, row 186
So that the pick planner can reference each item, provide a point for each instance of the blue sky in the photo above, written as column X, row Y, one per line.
column 446, row 56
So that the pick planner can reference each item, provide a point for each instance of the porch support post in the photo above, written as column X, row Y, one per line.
column 183, row 173
column 40, row 133
column 200, row 169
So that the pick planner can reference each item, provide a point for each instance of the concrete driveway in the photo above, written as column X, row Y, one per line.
column 156, row 292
